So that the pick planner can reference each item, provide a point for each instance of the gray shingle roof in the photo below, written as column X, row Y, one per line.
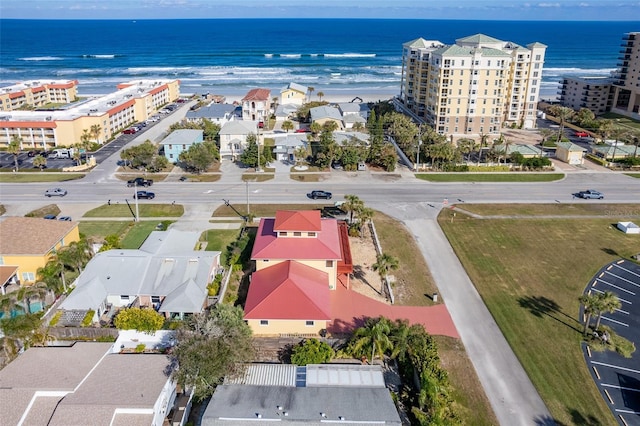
column 213, row 111
column 321, row 112
column 183, row 136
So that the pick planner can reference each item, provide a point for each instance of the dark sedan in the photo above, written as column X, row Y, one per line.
column 144, row 195
column 319, row 194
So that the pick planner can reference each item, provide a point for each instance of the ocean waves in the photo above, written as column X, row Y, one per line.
column 319, row 55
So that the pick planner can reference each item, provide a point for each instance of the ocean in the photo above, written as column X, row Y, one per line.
column 231, row 56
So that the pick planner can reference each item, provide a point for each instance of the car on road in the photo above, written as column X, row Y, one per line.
column 146, row 195
column 55, row 192
column 139, row 182
column 590, row 193
column 65, row 218
column 581, row 134
column 49, row 217
column 319, row 194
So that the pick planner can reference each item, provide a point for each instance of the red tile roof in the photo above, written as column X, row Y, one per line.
column 28, row 124
column 257, row 95
column 326, row 246
column 6, row 272
column 297, row 220
column 288, row 291
column 121, row 107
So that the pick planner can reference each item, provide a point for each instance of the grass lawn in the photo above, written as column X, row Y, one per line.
column 635, row 175
column 302, row 177
column 257, row 177
column 100, row 229
column 264, row 210
column 414, row 284
column 38, row 177
column 132, row 235
column 137, row 234
column 204, row 177
column 490, row 177
column 578, row 209
column 125, row 175
column 146, row 210
column 219, row 240
column 530, row 278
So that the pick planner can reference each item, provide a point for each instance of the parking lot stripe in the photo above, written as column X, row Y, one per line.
column 624, row 279
column 628, row 270
column 619, row 288
column 606, row 392
column 617, row 322
column 615, row 367
column 619, row 298
column 608, row 385
column 627, row 411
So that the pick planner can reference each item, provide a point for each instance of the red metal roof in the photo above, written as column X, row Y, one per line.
column 119, row 108
column 325, row 246
column 297, row 220
column 157, row 89
column 258, row 95
column 16, row 94
column 28, row 124
column 288, row 291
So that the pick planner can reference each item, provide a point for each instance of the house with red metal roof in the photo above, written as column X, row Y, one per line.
column 256, row 105
column 300, row 258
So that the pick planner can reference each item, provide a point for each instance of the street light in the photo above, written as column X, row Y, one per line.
column 419, row 144
column 259, row 168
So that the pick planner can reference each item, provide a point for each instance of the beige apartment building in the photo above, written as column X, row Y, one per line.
column 476, row 86
column 593, row 93
column 626, row 85
column 33, row 94
column 62, row 127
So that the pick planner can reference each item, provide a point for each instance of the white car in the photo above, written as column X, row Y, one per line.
column 55, row 192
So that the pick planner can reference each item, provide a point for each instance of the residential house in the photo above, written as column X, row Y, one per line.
column 286, row 146
column 285, row 112
column 256, row 105
column 294, row 93
column 570, row 153
column 180, row 140
column 343, row 137
column 315, row 394
column 299, row 259
column 28, row 243
column 324, row 114
column 86, row 383
column 8, row 278
column 233, row 138
column 216, row 113
column 165, row 273
column 357, row 109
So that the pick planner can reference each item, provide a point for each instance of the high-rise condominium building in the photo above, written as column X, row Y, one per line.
column 473, row 87
column 627, row 82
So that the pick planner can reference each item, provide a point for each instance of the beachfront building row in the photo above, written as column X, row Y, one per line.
column 593, row 93
column 33, row 94
column 476, row 86
column 62, row 127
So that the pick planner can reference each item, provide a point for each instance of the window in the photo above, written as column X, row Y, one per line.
column 264, row 322
column 282, row 234
column 170, row 146
column 311, row 234
column 184, row 146
column 309, row 323
column 124, row 297
column 297, row 234
column 329, row 264
column 537, row 57
column 28, row 276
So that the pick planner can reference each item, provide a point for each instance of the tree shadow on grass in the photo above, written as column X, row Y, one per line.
column 547, row 421
column 541, row 306
column 578, row 419
column 610, row 252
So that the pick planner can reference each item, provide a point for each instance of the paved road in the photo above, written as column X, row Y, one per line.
column 412, row 201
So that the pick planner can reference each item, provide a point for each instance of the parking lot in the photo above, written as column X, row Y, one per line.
column 618, row 378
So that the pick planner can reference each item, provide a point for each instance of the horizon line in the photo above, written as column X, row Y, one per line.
column 317, row 19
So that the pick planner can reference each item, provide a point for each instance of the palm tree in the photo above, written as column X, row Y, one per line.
column 310, row 89
column 76, row 254
column 28, row 292
column 364, row 215
column 95, row 130
column 564, row 114
column 315, row 128
column 374, row 335
column 301, row 153
column 609, row 302
column 14, row 148
column 384, row 264
column 353, row 204
column 483, row 141
column 287, row 125
column 40, row 161
column 8, row 303
column 591, row 304
column 507, row 144
column 53, row 274
column 320, row 95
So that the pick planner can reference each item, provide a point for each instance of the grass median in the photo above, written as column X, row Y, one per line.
column 490, row 177
column 38, row 177
column 530, row 275
column 145, row 210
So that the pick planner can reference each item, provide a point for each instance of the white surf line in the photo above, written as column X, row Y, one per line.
column 608, row 385
column 627, row 270
column 615, row 286
column 619, row 298
column 624, row 279
column 615, row 367
column 617, row 322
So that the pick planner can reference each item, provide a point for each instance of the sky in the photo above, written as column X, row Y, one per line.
column 558, row 10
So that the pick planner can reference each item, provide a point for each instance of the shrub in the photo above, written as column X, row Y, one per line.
column 140, row 348
column 88, row 318
column 311, row 351
column 55, row 319
column 596, row 159
column 146, row 320
column 451, row 167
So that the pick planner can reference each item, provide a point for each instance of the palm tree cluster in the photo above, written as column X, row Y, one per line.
column 596, row 304
column 359, row 214
column 417, row 355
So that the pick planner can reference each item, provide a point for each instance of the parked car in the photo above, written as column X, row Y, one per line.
column 55, row 192
column 50, row 217
column 33, row 153
column 590, row 193
column 144, row 195
column 319, row 194
column 581, row 134
column 303, row 130
column 65, row 218
column 261, row 124
column 129, row 131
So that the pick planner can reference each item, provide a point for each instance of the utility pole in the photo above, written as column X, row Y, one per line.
column 259, row 168
column 135, row 196
column 248, row 212
column 418, row 150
